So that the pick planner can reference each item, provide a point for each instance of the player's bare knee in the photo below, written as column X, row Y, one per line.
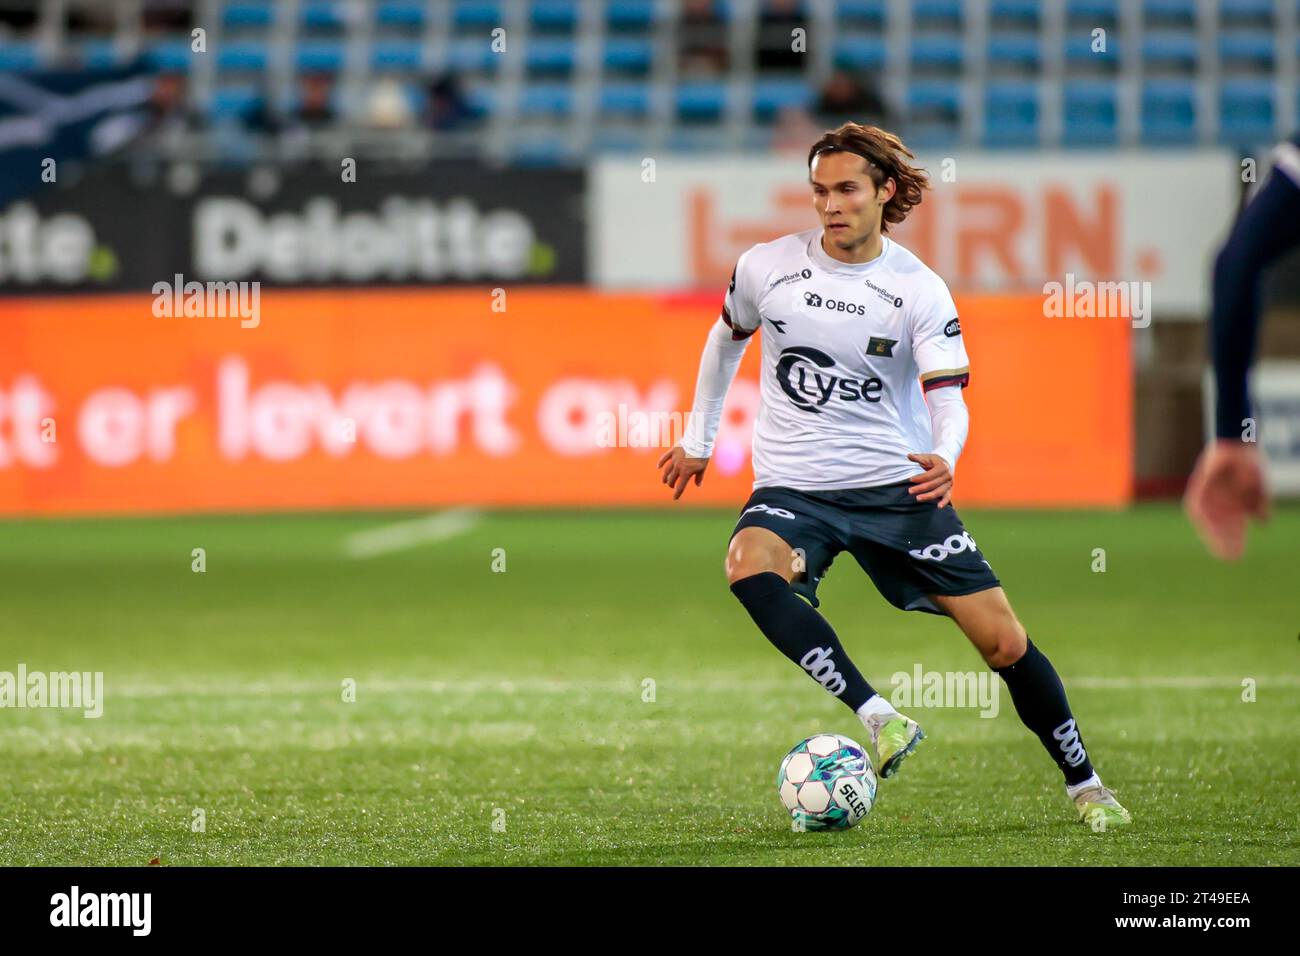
column 1007, row 646
column 747, row 556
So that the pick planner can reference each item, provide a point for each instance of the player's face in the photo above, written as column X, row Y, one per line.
column 846, row 200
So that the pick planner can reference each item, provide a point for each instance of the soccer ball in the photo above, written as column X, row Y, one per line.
column 826, row 782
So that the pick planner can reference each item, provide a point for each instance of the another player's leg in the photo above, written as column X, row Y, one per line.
column 987, row 619
column 760, row 568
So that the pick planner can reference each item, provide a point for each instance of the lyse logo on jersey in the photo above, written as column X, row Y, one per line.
column 818, row 663
column 809, row 389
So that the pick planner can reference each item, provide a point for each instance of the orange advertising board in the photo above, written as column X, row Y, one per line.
column 425, row 398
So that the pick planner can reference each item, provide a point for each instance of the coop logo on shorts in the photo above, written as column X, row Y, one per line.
column 953, row 544
column 1071, row 745
column 818, row 663
column 774, row 512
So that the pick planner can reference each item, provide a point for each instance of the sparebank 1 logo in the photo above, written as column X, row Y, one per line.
column 799, row 372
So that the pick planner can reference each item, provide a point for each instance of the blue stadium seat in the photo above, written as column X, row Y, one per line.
column 870, row 10
column 630, row 14
column 242, row 55
column 477, row 13
column 482, row 98
column 549, row 55
column 1014, row 49
column 1246, row 111
column 1010, row 115
column 552, row 99
column 170, row 55
column 625, row 98
column 1169, row 111
column 933, row 135
column 1022, row 11
column 397, row 55
column 771, row 96
column 859, row 52
column 1180, row 49
column 1091, row 113
column 628, row 54
column 1253, row 48
column 1095, row 12
column 472, row 54
column 952, row 10
column 1230, row 10
column 605, row 140
column 1166, row 10
column 320, row 56
column 323, row 15
column 932, row 95
column 234, row 102
column 554, row 14
column 248, row 14
column 937, row 50
column 401, row 13
column 1079, row 52
column 18, row 56
column 700, row 100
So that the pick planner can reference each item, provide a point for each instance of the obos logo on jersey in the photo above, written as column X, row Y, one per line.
column 798, row 372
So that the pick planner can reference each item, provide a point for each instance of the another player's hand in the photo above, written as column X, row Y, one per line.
column 677, row 474
column 934, row 482
column 1227, row 486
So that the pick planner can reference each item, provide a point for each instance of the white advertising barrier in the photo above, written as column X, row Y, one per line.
column 1275, row 394
column 992, row 222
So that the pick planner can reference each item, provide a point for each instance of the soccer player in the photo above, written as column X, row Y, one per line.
column 1227, row 485
column 860, row 426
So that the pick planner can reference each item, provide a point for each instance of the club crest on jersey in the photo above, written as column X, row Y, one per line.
column 881, row 348
column 799, row 372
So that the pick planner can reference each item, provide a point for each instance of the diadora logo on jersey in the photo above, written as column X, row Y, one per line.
column 881, row 348
column 1071, row 745
column 818, row 663
column 792, row 277
column 835, row 305
column 896, row 300
column 952, row 329
column 809, row 389
column 774, row 512
column 954, row 544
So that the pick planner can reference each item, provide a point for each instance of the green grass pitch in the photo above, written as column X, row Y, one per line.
column 499, row 716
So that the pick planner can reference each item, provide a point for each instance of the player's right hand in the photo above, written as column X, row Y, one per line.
column 1227, row 486
column 677, row 474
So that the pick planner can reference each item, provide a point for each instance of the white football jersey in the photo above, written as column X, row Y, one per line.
column 847, row 352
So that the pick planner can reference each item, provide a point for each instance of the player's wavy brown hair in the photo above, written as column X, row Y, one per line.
column 886, row 158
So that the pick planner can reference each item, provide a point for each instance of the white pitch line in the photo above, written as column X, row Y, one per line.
column 410, row 534
column 607, row 686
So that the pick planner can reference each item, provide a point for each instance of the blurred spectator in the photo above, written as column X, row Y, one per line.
column 448, row 109
column 387, row 106
column 795, row 131
column 845, row 97
column 315, row 109
column 776, row 26
column 701, row 39
column 168, row 109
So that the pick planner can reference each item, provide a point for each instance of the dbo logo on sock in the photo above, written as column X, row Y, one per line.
column 818, row 663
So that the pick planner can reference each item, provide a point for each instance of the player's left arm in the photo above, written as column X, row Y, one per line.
column 944, row 369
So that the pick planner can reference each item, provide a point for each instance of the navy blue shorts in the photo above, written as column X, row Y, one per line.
column 909, row 548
